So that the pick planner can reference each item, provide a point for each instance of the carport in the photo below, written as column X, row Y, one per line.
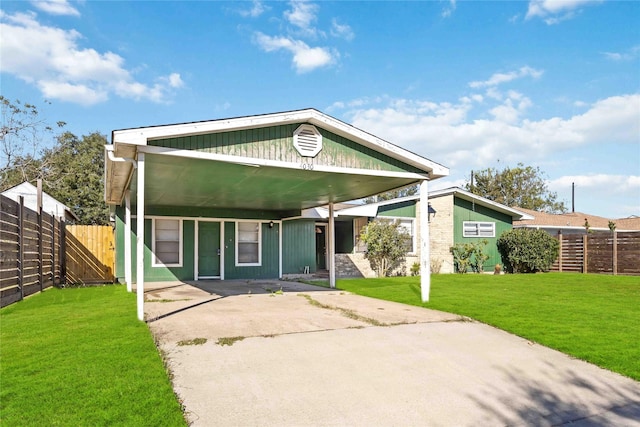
column 256, row 171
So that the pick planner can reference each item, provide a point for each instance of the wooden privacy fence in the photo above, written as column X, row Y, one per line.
column 37, row 251
column 31, row 251
column 605, row 253
column 90, row 254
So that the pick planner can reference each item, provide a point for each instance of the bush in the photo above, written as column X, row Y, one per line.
column 525, row 250
column 469, row 255
column 415, row 269
column 387, row 246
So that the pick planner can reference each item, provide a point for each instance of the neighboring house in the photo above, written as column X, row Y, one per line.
column 49, row 204
column 464, row 217
column 456, row 216
column 224, row 198
column 574, row 222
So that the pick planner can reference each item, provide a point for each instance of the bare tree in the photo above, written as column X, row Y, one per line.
column 22, row 134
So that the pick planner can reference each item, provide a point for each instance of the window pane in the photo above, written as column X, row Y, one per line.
column 478, row 229
column 248, row 244
column 247, row 253
column 167, row 241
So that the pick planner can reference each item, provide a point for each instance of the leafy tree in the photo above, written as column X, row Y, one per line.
column 522, row 186
column 75, row 169
column 387, row 245
column 526, row 250
column 22, row 134
column 393, row 194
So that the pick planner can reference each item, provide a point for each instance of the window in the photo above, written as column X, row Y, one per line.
column 248, row 243
column 407, row 225
column 478, row 229
column 167, row 242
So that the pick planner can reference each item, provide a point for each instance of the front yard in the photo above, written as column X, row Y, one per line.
column 80, row 357
column 591, row 317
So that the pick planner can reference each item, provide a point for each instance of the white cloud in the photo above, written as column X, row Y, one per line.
column 305, row 58
column 618, row 196
column 555, row 11
column 343, row 31
column 56, row 7
column 51, row 59
column 445, row 131
column 449, row 9
column 609, row 183
column 257, row 9
column 628, row 55
column 499, row 78
column 302, row 15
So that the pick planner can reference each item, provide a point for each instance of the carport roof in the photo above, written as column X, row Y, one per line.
column 179, row 177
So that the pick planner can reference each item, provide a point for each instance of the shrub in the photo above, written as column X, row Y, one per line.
column 525, row 250
column 469, row 255
column 415, row 269
column 387, row 245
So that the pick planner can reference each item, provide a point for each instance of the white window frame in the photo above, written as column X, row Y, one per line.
column 249, row 264
column 477, row 225
column 155, row 262
column 402, row 219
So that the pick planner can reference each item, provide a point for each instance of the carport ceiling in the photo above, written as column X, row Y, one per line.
column 176, row 181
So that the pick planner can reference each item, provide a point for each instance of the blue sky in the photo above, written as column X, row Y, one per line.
column 470, row 85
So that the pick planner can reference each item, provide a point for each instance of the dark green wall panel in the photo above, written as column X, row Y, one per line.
column 276, row 143
column 405, row 209
column 298, row 246
column 270, row 266
column 468, row 211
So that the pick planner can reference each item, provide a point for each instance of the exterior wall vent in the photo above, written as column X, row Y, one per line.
column 307, row 140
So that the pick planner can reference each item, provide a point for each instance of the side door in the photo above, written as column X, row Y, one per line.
column 208, row 249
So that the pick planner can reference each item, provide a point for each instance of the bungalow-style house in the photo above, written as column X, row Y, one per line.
column 223, row 199
column 455, row 216
column 574, row 222
column 29, row 192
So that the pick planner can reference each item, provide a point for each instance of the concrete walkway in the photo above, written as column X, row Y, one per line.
column 299, row 355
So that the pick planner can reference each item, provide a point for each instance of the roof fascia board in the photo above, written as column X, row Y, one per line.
column 466, row 195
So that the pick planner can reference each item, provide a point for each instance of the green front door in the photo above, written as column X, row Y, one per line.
column 208, row 249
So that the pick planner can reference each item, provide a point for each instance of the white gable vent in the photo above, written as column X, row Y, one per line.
column 307, row 140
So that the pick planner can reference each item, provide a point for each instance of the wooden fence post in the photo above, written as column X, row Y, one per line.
column 63, row 251
column 21, row 247
column 40, row 250
column 585, row 257
column 53, row 251
column 615, row 252
column 560, row 251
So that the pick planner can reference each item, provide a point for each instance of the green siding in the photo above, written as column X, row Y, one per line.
column 269, row 268
column 403, row 209
column 298, row 246
column 155, row 274
column 467, row 211
column 276, row 143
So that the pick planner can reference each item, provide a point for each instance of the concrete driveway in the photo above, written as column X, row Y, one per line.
column 289, row 354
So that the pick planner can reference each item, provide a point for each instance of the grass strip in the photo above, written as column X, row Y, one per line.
column 344, row 311
column 80, row 357
column 590, row 317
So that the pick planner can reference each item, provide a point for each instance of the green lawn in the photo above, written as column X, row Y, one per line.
column 80, row 357
column 592, row 317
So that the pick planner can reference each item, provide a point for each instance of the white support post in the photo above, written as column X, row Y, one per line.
column 425, row 263
column 140, row 239
column 128, row 276
column 332, row 248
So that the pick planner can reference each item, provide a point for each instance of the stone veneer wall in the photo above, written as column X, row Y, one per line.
column 441, row 232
